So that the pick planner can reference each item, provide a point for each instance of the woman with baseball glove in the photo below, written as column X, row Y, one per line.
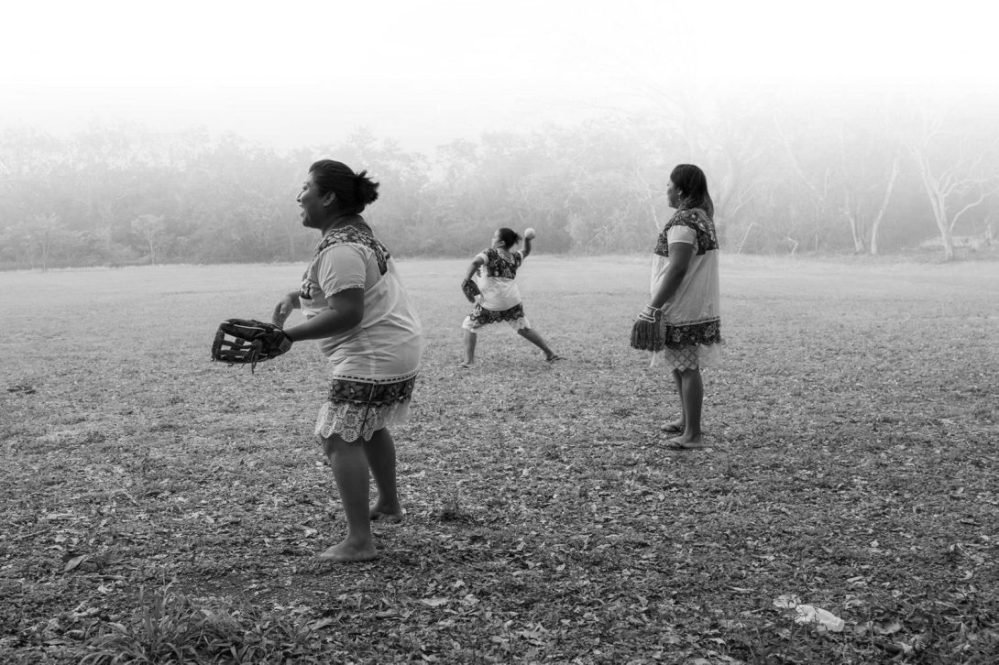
column 681, row 324
column 489, row 285
column 357, row 309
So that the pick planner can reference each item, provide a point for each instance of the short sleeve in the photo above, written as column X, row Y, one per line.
column 341, row 267
column 683, row 234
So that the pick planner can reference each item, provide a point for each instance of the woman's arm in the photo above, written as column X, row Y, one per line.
column 473, row 267
column 680, row 255
column 527, row 247
column 285, row 307
column 344, row 311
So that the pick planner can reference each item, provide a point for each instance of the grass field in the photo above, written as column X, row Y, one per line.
column 158, row 507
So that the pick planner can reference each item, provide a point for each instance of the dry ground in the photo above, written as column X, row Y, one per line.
column 157, row 507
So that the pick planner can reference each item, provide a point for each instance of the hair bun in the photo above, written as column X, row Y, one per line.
column 365, row 189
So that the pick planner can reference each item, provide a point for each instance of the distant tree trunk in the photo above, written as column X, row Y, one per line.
column 745, row 236
column 851, row 210
column 150, row 227
column 937, row 194
column 45, row 228
column 876, row 224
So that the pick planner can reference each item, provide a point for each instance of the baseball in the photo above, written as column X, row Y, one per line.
column 529, row 233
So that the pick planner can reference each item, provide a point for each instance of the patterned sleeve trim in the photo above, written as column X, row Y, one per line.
column 696, row 219
column 360, row 234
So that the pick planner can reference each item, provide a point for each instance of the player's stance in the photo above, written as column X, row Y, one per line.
column 357, row 308
column 681, row 324
column 489, row 285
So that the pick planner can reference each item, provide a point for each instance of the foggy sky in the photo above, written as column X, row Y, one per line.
column 425, row 73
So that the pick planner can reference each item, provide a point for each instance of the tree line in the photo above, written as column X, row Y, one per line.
column 819, row 177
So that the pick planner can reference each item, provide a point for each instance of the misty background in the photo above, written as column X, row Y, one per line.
column 132, row 134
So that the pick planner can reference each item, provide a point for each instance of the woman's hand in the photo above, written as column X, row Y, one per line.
column 284, row 309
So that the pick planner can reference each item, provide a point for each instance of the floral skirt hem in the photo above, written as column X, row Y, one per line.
column 358, row 421
column 481, row 316
column 356, row 408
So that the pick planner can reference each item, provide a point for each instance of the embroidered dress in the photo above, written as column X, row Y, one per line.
column 372, row 366
column 691, row 318
column 500, row 299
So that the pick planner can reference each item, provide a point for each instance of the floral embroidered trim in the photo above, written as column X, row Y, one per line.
column 697, row 219
column 368, row 393
column 703, row 332
column 481, row 316
column 358, row 233
column 357, row 408
column 502, row 264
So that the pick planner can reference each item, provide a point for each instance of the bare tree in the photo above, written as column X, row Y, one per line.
column 817, row 184
column 856, row 214
column 150, row 227
column 953, row 173
column 43, row 236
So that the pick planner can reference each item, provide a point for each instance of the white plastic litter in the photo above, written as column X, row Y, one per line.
column 807, row 614
column 817, row 615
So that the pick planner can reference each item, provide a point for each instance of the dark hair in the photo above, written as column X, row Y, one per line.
column 690, row 180
column 508, row 237
column 354, row 191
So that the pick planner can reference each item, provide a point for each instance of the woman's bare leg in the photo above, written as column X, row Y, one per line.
column 679, row 425
column 470, row 339
column 350, row 470
column 692, row 397
column 380, row 451
column 532, row 336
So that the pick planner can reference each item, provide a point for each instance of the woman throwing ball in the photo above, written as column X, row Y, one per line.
column 489, row 285
column 360, row 314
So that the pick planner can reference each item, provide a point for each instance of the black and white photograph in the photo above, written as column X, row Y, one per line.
column 464, row 332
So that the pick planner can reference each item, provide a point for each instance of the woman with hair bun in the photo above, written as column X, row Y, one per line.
column 356, row 307
column 682, row 323
column 489, row 285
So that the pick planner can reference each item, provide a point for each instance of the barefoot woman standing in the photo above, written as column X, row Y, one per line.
column 684, row 308
column 357, row 308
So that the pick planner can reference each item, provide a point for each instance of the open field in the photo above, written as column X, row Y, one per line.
column 158, row 506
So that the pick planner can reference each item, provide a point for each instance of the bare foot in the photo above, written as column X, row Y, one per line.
column 466, row 364
column 387, row 514
column 347, row 552
column 673, row 427
column 687, row 443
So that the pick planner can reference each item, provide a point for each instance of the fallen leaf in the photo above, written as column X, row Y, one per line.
column 434, row 602
column 75, row 562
